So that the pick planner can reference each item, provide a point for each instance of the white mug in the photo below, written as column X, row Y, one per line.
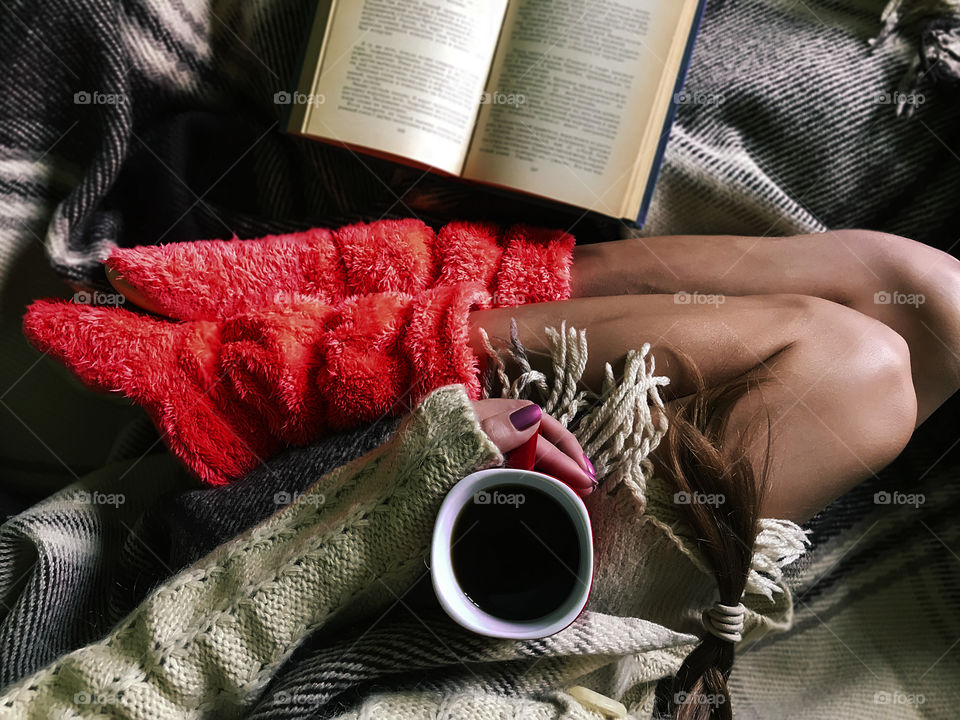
column 455, row 601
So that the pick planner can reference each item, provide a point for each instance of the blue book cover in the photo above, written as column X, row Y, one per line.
column 671, row 114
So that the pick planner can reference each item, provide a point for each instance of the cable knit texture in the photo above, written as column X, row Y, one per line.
column 209, row 639
column 284, row 338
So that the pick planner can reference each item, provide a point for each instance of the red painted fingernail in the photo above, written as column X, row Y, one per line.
column 525, row 417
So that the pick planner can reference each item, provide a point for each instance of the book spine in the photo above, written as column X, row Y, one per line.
column 313, row 51
column 671, row 114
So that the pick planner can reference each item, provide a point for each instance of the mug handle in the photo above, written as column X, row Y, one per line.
column 525, row 456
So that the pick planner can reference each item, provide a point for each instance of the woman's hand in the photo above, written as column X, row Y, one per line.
column 510, row 423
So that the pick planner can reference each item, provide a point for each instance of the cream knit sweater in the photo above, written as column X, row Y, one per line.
column 209, row 639
column 206, row 643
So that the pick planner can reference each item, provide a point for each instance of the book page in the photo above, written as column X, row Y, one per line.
column 585, row 77
column 405, row 77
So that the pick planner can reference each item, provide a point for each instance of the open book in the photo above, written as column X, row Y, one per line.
column 570, row 100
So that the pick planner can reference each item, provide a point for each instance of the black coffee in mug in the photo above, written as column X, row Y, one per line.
column 515, row 552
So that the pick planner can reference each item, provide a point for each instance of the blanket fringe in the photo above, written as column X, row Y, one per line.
column 618, row 429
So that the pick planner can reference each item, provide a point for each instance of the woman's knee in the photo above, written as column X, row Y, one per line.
column 899, row 265
column 870, row 367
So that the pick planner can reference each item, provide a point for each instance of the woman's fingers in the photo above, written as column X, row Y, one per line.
column 509, row 426
column 510, row 423
column 556, row 463
column 566, row 441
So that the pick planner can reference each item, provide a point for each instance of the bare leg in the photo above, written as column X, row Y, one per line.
column 910, row 287
column 840, row 394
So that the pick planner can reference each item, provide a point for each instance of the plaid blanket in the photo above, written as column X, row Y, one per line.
column 148, row 122
column 876, row 624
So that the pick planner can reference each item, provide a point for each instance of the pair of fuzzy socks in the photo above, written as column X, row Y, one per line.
column 273, row 342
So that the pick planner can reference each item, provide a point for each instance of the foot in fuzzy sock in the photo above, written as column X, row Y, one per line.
column 216, row 279
column 291, row 350
column 227, row 395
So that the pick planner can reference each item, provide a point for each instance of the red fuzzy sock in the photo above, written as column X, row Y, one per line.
column 535, row 267
column 216, row 279
column 269, row 359
column 171, row 369
column 389, row 255
column 227, row 395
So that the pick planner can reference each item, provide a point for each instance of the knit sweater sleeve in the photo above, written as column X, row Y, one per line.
column 217, row 279
column 206, row 642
